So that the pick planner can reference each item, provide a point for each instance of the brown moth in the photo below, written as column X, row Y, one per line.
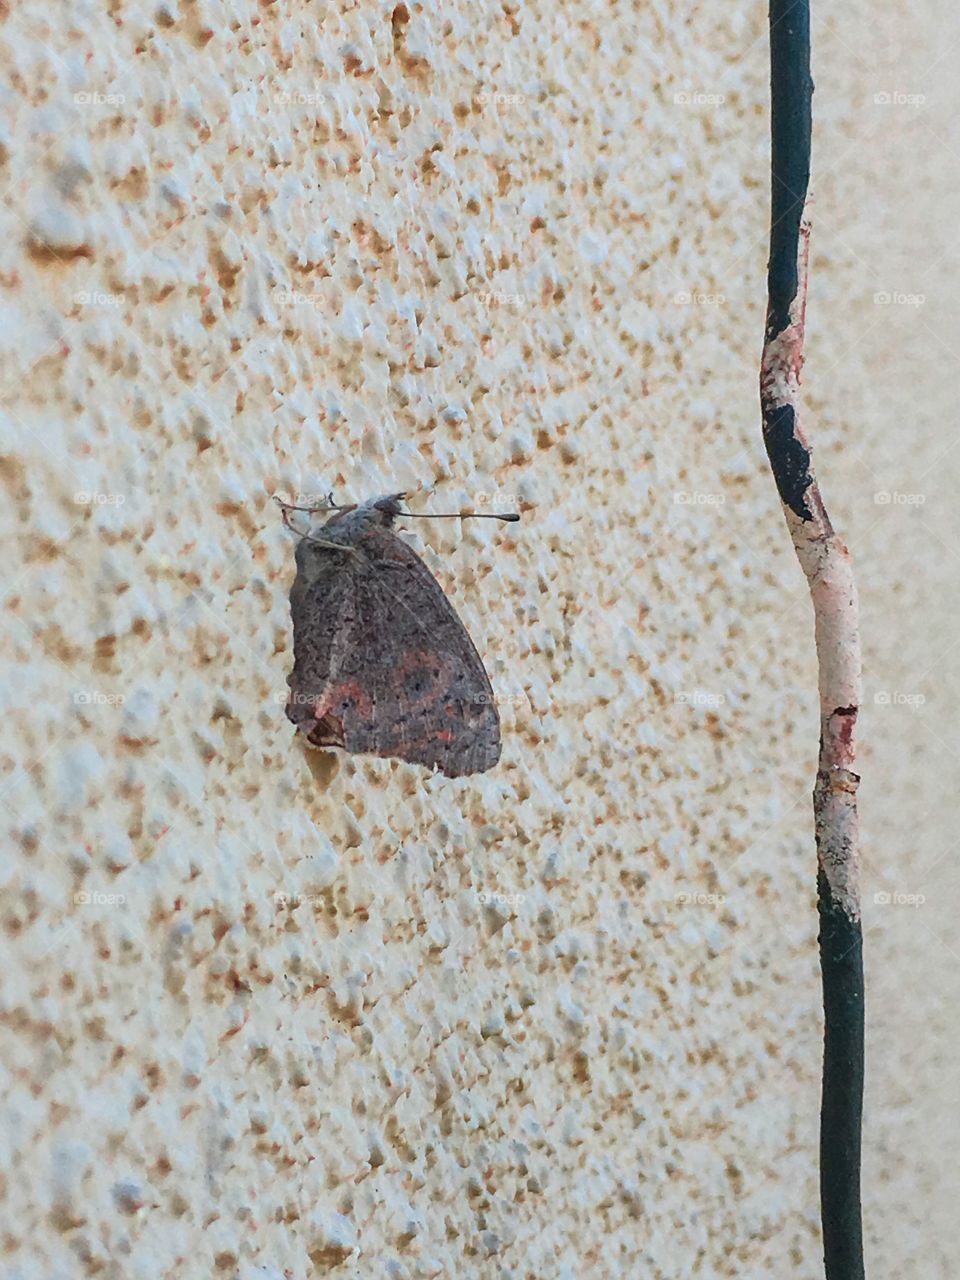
column 382, row 663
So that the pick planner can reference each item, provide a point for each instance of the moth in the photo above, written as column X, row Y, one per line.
column 382, row 664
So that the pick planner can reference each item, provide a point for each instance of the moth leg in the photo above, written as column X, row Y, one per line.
column 320, row 542
column 331, row 546
column 285, row 513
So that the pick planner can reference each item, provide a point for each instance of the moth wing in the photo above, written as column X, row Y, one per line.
column 401, row 676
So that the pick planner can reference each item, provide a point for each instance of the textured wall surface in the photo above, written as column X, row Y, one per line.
column 275, row 1013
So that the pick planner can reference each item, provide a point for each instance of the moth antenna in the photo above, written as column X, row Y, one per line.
column 461, row 515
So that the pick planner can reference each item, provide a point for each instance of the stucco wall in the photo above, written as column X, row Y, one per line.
column 270, row 1013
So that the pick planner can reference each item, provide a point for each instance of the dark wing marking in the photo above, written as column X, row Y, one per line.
column 387, row 667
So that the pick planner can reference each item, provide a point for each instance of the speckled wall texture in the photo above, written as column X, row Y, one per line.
column 269, row 1013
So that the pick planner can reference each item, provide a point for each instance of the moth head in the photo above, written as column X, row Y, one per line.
column 388, row 507
column 350, row 522
column 375, row 511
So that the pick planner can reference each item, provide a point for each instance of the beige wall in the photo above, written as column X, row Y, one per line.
column 494, row 250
